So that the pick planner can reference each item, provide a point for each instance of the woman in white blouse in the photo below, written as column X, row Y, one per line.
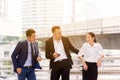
column 91, row 55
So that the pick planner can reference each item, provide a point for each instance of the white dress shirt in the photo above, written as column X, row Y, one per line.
column 59, row 48
column 91, row 53
column 29, row 58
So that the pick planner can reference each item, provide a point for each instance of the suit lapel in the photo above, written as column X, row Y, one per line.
column 65, row 46
column 52, row 45
column 64, row 43
column 25, row 46
column 35, row 47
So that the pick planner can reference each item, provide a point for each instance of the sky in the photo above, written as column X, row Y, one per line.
column 86, row 9
column 110, row 8
column 92, row 9
column 14, row 10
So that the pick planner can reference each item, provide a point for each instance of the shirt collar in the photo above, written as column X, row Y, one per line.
column 55, row 40
column 93, row 45
column 29, row 42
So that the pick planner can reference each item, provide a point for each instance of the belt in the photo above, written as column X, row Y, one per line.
column 28, row 67
column 61, row 60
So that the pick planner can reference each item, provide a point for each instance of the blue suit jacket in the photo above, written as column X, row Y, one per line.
column 20, row 54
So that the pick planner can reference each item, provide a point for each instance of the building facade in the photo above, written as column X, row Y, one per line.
column 43, row 14
column 37, row 13
column 3, row 9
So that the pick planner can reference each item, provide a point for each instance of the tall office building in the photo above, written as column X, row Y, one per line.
column 39, row 13
column 3, row 9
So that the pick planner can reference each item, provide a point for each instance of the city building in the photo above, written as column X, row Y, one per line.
column 9, row 36
column 3, row 9
column 7, row 45
column 43, row 14
column 38, row 13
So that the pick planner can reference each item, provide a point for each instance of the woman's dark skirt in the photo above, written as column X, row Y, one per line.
column 91, row 73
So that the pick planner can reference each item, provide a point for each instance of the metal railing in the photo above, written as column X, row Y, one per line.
column 109, row 67
column 78, row 31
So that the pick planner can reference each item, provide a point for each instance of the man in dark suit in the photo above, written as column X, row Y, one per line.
column 58, row 51
column 25, row 57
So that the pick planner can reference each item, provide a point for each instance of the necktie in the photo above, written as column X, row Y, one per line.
column 32, row 53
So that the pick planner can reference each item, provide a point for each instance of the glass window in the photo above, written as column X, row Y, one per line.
column 6, row 53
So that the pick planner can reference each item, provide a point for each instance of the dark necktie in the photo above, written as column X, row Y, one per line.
column 32, row 53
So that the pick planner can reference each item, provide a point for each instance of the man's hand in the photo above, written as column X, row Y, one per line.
column 56, row 55
column 39, row 59
column 19, row 70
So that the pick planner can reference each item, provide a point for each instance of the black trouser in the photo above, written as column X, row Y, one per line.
column 61, row 68
column 91, row 73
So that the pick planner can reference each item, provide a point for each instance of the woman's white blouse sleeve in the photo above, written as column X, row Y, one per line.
column 100, row 50
column 81, row 51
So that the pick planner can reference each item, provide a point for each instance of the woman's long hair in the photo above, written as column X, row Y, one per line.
column 93, row 36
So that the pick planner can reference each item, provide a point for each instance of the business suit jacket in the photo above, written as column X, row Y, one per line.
column 67, row 47
column 20, row 54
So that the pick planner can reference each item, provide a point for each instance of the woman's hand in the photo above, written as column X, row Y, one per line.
column 99, row 63
column 85, row 66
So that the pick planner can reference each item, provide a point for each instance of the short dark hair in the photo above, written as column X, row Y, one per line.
column 93, row 35
column 29, row 32
column 54, row 28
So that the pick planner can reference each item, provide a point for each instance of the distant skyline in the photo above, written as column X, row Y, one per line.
column 86, row 9
column 105, row 8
